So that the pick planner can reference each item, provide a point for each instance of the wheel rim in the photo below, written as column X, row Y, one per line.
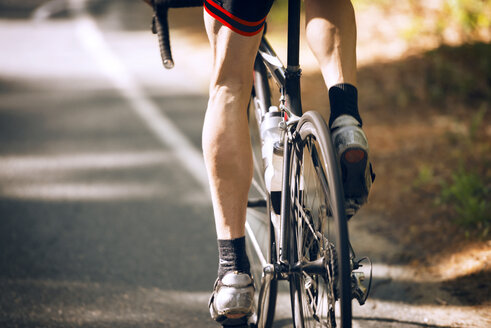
column 314, row 237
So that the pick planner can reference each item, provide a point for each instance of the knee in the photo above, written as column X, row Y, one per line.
column 231, row 76
column 230, row 89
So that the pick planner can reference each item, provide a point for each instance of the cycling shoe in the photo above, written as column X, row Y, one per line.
column 231, row 303
column 352, row 148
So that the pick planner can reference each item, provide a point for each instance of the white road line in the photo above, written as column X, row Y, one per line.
column 166, row 132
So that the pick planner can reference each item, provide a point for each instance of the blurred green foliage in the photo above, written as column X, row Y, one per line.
column 468, row 191
column 469, row 197
column 470, row 15
column 425, row 176
column 467, row 18
column 463, row 188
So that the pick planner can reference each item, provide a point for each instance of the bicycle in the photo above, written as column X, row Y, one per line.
column 297, row 228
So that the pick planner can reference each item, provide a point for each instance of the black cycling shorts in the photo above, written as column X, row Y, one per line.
column 245, row 17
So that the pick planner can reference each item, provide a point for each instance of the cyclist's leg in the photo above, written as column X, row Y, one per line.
column 331, row 34
column 226, row 141
column 228, row 158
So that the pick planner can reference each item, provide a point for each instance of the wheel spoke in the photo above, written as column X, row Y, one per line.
column 312, row 208
column 317, row 206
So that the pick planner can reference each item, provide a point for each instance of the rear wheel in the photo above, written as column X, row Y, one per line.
column 318, row 219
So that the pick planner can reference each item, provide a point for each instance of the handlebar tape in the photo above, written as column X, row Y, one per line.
column 161, row 25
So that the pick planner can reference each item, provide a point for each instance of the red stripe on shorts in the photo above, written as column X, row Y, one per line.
column 235, row 18
column 221, row 20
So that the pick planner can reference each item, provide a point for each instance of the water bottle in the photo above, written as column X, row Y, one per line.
column 272, row 149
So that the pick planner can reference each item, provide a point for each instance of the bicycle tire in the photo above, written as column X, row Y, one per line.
column 319, row 225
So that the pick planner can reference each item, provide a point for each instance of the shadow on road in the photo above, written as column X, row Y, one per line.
column 96, row 214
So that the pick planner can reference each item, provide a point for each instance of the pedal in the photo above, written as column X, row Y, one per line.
column 351, row 208
column 359, row 285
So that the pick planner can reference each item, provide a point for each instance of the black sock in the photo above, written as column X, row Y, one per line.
column 344, row 100
column 232, row 256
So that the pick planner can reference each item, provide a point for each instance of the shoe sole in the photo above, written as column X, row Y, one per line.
column 234, row 320
column 353, row 167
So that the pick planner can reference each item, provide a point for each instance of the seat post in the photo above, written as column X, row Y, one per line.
column 293, row 32
column 293, row 72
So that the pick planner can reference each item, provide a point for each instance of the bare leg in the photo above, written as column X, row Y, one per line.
column 226, row 141
column 331, row 34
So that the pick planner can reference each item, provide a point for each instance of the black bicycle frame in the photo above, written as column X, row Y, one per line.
column 294, row 103
column 293, row 72
column 288, row 80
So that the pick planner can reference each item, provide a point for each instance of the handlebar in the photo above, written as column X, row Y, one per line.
column 160, row 25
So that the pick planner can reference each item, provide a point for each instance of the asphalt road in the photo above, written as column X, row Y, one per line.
column 101, row 222
column 105, row 220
